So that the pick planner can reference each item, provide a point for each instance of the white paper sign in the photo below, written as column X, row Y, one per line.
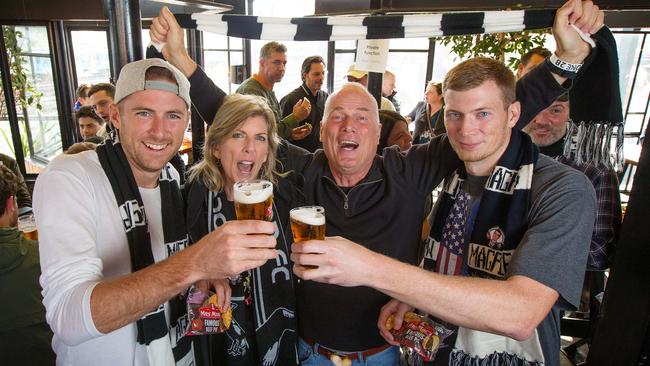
column 372, row 55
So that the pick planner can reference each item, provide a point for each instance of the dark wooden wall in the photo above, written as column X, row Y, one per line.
column 18, row 10
column 45, row 10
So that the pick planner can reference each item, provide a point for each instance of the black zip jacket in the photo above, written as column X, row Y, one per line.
column 312, row 141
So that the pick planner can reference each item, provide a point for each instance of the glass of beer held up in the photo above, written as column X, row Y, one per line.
column 254, row 200
column 27, row 225
column 307, row 223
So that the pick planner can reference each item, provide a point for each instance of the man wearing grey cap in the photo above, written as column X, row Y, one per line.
column 112, row 271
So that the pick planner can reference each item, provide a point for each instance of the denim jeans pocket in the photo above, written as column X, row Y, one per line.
column 304, row 351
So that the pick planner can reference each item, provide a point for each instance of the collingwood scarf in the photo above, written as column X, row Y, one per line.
column 269, row 291
column 153, row 331
column 499, row 226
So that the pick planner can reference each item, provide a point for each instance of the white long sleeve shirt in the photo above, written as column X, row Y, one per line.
column 82, row 242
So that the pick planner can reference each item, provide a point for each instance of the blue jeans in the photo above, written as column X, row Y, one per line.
column 309, row 357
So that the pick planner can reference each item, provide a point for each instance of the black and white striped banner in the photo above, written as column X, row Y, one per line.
column 336, row 28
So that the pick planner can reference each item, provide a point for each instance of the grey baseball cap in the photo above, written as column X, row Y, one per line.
column 132, row 79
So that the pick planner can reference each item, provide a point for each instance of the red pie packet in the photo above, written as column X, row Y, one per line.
column 204, row 315
column 420, row 334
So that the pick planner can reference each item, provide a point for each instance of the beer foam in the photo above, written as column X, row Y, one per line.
column 252, row 192
column 308, row 215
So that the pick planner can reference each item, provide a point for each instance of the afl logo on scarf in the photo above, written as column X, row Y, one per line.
column 495, row 238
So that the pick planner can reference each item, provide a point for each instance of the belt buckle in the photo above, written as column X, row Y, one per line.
column 340, row 360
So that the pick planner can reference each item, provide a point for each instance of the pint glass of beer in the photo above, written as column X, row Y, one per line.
column 253, row 200
column 307, row 223
column 27, row 225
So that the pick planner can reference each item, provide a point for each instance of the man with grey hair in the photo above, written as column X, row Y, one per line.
column 505, row 251
column 112, row 271
column 273, row 60
column 355, row 75
column 490, row 241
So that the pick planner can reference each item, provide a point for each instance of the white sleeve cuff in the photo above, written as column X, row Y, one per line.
column 86, row 313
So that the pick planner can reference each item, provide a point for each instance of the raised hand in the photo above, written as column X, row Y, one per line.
column 586, row 16
column 301, row 132
column 302, row 109
column 166, row 31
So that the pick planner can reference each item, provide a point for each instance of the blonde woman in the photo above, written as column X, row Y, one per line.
column 240, row 145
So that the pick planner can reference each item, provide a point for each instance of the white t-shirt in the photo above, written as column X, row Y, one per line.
column 82, row 241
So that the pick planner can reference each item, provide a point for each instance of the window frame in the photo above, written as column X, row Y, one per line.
column 333, row 51
column 645, row 115
column 85, row 26
column 54, row 42
column 228, row 50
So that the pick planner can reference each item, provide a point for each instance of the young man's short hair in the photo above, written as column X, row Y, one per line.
column 78, row 147
column 539, row 51
column 474, row 72
column 267, row 49
column 107, row 87
column 9, row 183
column 82, row 91
column 90, row 112
column 160, row 73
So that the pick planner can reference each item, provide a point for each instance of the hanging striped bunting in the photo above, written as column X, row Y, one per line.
column 336, row 28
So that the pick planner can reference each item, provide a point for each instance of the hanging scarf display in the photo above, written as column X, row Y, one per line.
column 153, row 331
column 336, row 28
column 600, row 144
column 597, row 133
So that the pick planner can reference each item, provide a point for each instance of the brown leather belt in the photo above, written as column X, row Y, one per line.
column 353, row 356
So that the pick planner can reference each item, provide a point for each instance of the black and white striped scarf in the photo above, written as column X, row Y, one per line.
column 153, row 331
column 499, row 226
column 336, row 28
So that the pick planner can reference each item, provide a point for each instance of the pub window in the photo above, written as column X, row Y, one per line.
column 39, row 130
